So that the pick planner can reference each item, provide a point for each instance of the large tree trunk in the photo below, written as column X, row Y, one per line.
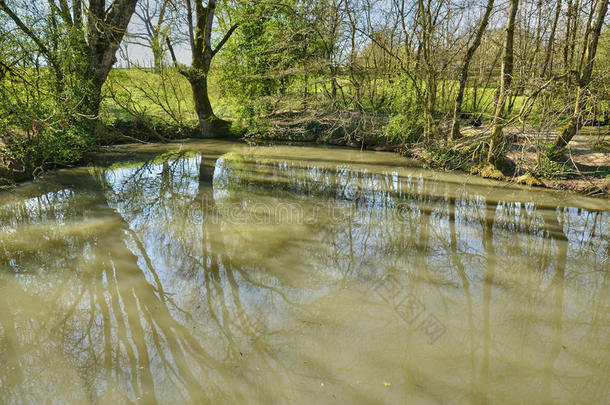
column 497, row 142
column 94, row 53
column 105, row 33
column 455, row 127
column 568, row 132
column 202, row 55
column 210, row 125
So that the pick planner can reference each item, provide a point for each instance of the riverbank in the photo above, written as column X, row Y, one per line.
column 24, row 155
column 586, row 169
column 12, row 169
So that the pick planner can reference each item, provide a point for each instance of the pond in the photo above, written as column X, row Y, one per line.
column 216, row 272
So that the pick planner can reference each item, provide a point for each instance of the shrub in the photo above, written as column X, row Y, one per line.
column 406, row 123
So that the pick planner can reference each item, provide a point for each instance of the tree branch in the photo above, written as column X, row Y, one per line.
column 189, row 19
column 224, row 39
column 62, row 10
column 27, row 31
column 171, row 51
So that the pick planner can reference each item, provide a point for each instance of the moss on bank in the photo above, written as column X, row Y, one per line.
column 25, row 155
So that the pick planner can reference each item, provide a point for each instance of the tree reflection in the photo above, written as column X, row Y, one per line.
column 140, row 284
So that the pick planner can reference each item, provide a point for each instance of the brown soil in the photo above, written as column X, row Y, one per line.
column 587, row 157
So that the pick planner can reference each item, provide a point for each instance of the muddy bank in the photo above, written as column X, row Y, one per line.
column 339, row 129
column 12, row 169
column 589, row 177
column 587, row 163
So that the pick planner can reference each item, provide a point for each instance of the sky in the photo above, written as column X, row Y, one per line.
column 142, row 56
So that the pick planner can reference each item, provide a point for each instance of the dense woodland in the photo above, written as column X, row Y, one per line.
column 463, row 83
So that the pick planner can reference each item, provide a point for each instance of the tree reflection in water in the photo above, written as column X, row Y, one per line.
column 183, row 280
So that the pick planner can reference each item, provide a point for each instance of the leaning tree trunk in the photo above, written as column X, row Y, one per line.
column 455, row 127
column 568, row 132
column 497, row 142
column 94, row 44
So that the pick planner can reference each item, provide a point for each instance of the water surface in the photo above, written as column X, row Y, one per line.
column 221, row 273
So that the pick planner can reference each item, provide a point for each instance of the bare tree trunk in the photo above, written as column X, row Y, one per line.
column 497, row 141
column 353, row 58
column 305, row 77
column 153, row 19
column 427, row 15
column 455, row 127
column 157, row 60
column 568, row 132
column 549, row 49
column 574, row 31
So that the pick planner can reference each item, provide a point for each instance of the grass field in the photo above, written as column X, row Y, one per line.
column 167, row 98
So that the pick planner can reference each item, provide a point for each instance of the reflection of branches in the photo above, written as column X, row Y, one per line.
column 142, row 295
column 557, row 291
column 481, row 394
column 459, row 266
column 120, row 319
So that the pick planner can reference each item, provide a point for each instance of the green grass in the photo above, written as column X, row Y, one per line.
column 140, row 94
column 165, row 97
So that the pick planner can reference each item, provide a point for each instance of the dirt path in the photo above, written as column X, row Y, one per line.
column 587, row 163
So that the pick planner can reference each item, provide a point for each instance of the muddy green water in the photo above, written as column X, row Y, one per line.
column 221, row 273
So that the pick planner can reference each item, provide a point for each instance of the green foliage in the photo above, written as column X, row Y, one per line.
column 260, row 62
column 406, row 123
column 445, row 155
column 62, row 148
column 251, row 127
column 245, row 60
column 601, row 146
column 160, row 100
column 603, row 173
column 45, row 107
column 44, row 134
column 407, row 127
